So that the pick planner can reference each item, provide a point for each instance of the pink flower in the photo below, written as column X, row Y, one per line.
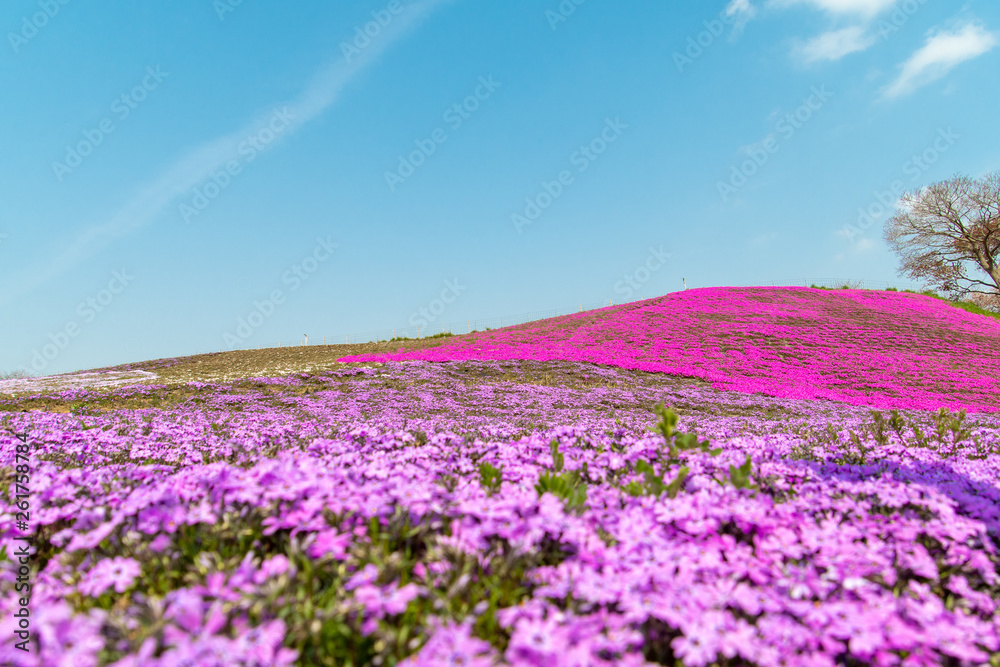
column 453, row 646
column 397, row 601
column 330, row 544
column 273, row 567
column 115, row 572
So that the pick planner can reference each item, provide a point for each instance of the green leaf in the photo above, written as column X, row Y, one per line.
column 675, row 486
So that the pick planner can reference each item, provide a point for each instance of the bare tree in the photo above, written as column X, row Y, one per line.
column 948, row 236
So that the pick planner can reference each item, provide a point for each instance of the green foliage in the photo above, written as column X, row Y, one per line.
column 967, row 306
column 653, row 484
column 490, row 477
column 677, row 443
column 558, row 460
column 974, row 309
column 833, row 289
column 949, row 428
column 946, row 433
column 740, row 477
column 943, row 431
column 569, row 485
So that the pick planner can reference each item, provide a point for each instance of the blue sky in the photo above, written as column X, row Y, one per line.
column 171, row 169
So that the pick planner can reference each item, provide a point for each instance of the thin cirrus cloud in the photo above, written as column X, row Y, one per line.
column 863, row 8
column 177, row 179
column 942, row 52
column 835, row 44
column 740, row 12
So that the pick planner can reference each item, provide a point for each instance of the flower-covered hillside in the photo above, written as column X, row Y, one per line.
column 880, row 349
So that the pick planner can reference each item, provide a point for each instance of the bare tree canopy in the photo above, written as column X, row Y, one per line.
column 948, row 236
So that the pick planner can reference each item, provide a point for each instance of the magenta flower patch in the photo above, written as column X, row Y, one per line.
column 881, row 349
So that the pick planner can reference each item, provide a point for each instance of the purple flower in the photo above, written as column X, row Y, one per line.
column 66, row 639
column 115, row 572
column 396, row 601
column 330, row 544
column 273, row 567
column 453, row 646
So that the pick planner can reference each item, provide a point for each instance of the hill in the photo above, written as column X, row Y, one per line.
column 887, row 350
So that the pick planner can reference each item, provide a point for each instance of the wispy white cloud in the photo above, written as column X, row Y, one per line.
column 835, row 44
column 740, row 12
column 864, row 8
column 198, row 164
column 942, row 52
